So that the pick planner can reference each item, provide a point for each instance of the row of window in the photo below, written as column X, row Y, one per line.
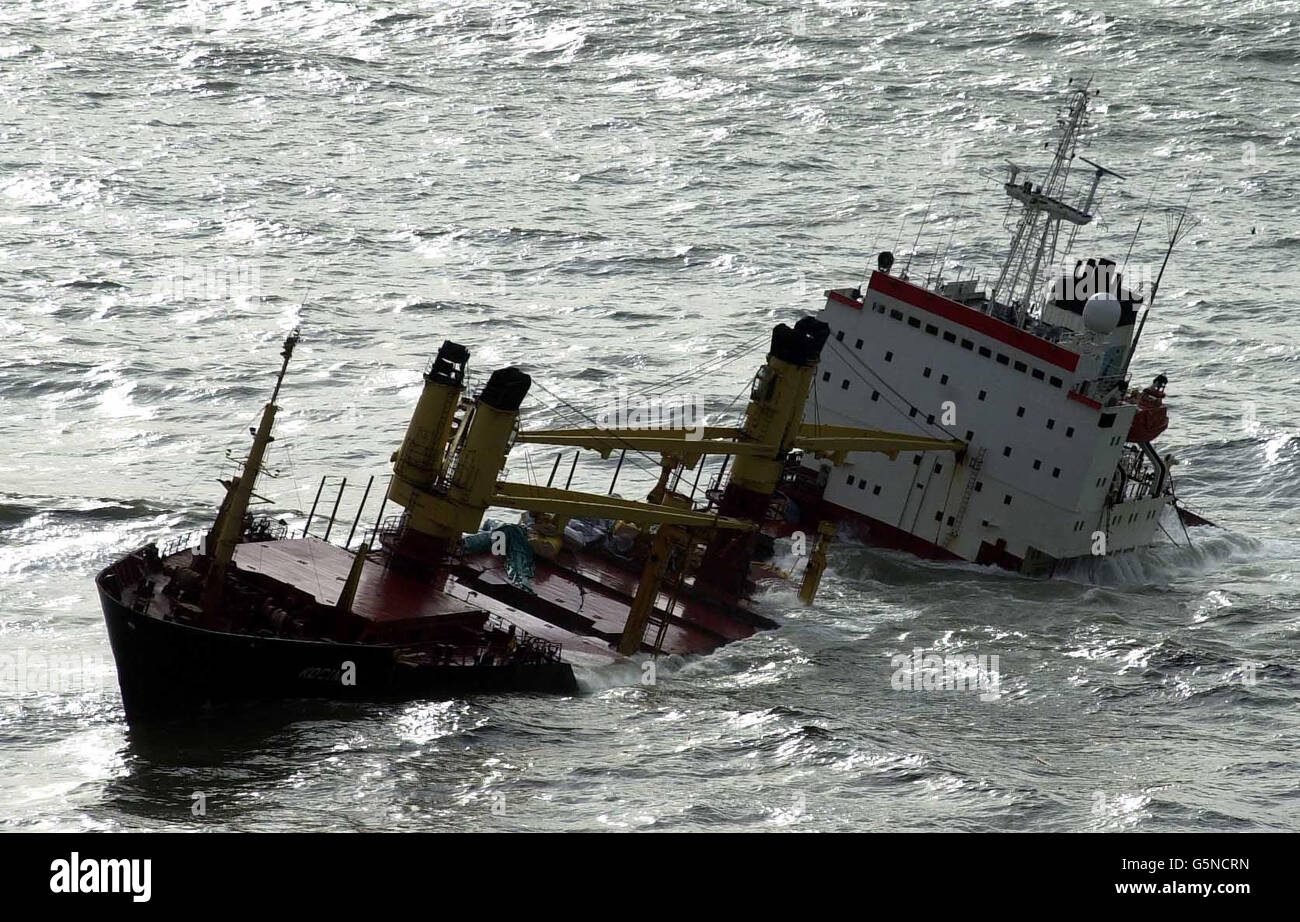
column 862, row 485
column 938, row 468
column 1132, row 517
column 1020, row 411
column 979, row 487
column 949, row 337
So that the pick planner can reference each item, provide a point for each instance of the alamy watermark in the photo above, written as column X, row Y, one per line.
column 58, row 673
column 1073, row 282
column 921, row 671
column 630, row 411
column 217, row 280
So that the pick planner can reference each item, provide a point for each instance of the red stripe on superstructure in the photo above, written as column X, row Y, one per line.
column 844, row 299
column 1086, row 401
column 973, row 320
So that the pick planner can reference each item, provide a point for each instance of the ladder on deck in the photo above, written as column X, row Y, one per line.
column 660, row 621
column 976, row 463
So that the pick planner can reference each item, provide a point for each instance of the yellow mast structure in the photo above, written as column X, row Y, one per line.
column 447, row 471
column 229, row 525
column 773, row 427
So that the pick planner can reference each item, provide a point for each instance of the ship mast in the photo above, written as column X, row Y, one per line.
column 1033, row 245
column 229, row 526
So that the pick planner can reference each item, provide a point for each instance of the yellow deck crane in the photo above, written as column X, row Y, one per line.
column 772, row 428
column 446, row 475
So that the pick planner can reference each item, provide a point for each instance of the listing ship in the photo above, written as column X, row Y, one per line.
column 1032, row 372
column 434, row 602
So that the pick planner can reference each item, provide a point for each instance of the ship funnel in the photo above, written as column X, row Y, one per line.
column 469, row 456
column 421, row 460
column 506, row 389
column 802, row 344
column 449, row 364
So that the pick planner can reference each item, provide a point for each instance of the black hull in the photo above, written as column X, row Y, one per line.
column 166, row 669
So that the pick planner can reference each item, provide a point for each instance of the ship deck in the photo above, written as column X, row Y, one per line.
column 580, row 602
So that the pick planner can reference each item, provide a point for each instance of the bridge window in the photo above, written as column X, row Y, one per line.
column 896, row 314
column 914, row 322
column 1003, row 359
column 932, row 329
column 1037, row 373
column 967, row 344
column 1054, row 381
column 985, row 352
column 1021, row 367
column 949, row 337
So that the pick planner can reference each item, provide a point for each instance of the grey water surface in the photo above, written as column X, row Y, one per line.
column 612, row 195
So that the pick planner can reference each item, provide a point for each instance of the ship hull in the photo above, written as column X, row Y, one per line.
column 872, row 532
column 1047, row 475
column 166, row 669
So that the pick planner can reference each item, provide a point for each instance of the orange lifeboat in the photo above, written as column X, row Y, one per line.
column 1152, row 417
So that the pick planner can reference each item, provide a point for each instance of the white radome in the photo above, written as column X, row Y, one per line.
column 1101, row 314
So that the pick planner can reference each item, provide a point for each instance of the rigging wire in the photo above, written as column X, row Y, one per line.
column 885, row 384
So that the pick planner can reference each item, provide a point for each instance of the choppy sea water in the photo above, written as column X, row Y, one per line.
column 611, row 196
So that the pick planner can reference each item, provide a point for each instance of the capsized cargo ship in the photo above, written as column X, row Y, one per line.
column 1030, row 368
column 435, row 605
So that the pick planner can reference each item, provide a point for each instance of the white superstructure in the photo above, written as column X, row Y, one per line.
column 1032, row 374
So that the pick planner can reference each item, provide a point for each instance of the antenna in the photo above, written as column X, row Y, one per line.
column 925, row 217
column 1136, row 230
column 1034, row 241
column 902, row 222
column 1098, row 172
column 943, row 260
column 1185, row 224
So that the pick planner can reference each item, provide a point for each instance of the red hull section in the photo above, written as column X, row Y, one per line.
column 875, row 533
